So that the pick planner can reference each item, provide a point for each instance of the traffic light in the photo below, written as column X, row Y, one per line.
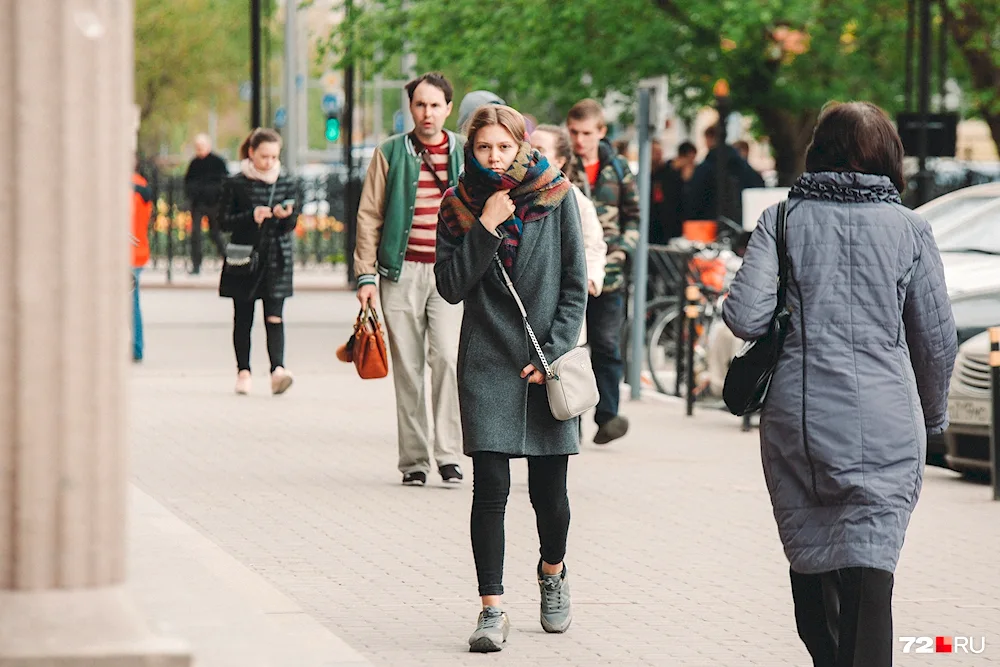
column 332, row 127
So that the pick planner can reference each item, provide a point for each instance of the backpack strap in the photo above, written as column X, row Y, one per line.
column 619, row 169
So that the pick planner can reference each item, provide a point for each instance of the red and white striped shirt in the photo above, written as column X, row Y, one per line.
column 423, row 233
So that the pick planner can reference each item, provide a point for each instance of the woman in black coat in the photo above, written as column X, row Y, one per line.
column 259, row 209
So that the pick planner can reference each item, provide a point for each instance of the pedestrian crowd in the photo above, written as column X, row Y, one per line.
column 499, row 249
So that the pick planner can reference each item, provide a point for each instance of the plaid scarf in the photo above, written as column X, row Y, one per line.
column 536, row 188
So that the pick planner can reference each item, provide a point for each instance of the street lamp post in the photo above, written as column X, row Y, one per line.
column 640, row 264
column 291, row 129
column 924, row 177
column 255, row 69
column 722, row 191
column 350, row 186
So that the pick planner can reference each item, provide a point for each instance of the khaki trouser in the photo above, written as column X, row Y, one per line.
column 722, row 347
column 423, row 330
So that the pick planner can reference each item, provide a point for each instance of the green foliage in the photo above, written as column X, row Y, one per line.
column 525, row 50
column 783, row 59
column 557, row 53
column 188, row 54
column 975, row 27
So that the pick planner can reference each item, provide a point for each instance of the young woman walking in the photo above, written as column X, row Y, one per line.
column 512, row 208
column 259, row 209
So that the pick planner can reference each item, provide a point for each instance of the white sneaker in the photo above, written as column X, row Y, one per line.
column 243, row 383
column 281, row 380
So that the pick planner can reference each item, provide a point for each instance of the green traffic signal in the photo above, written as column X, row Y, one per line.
column 332, row 128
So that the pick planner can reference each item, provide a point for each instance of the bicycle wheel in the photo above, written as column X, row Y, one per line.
column 661, row 349
column 653, row 310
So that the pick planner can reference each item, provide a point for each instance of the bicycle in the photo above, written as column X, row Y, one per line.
column 710, row 268
column 665, row 273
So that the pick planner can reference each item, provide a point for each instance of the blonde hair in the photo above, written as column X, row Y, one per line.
column 261, row 135
column 497, row 114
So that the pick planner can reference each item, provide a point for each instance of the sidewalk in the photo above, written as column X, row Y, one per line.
column 310, row 278
column 190, row 588
column 673, row 551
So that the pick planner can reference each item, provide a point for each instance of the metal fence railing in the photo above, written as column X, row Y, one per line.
column 320, row 235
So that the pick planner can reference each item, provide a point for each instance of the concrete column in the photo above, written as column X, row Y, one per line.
column 66, row 71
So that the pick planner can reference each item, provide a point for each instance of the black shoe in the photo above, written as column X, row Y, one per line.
column 451, row 474
column 414, row 479
column 611, row 430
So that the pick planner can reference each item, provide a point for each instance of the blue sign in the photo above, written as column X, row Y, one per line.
column 397, row 122
column 330, row 104
column 280, row 117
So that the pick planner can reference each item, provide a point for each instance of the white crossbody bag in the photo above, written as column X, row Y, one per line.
column 569, row 380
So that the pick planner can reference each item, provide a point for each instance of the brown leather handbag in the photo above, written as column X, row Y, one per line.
column 366, row 347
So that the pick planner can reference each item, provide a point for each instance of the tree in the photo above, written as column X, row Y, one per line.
column 783, row 59
column 188, row 54
column 975, row 27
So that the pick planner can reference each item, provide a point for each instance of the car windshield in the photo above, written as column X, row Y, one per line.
column 978, row 234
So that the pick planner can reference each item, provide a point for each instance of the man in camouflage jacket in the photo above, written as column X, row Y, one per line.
column 606, row 177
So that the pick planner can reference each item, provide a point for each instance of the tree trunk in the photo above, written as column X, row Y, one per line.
column 790, row 134
column 965, row 26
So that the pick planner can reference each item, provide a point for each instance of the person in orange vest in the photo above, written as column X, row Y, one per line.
column 142, row 207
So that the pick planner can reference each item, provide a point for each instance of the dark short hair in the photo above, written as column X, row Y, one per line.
column 587, row 109
column 686, row 148
column 711, row 132
column 437, row 80
column 856, row 136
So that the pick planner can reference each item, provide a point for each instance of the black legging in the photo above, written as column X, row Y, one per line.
column 490, row 487
column 243, row 312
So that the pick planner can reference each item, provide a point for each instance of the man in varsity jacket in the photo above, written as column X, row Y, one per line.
column 397, row 232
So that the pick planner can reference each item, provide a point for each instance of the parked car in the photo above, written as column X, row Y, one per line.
column 966, row 225
column 967, row 440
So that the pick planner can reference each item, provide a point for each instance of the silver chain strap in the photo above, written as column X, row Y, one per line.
column 524, row 315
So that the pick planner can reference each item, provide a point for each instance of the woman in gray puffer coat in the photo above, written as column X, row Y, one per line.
column 861, row 381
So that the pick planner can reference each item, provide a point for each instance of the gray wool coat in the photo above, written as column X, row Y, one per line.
column 500, row 411
column 863, row 376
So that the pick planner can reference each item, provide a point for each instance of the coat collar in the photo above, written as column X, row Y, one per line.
column 847, row 187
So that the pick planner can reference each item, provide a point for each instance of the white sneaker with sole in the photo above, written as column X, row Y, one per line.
column 243, row 383
column 281, row 380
